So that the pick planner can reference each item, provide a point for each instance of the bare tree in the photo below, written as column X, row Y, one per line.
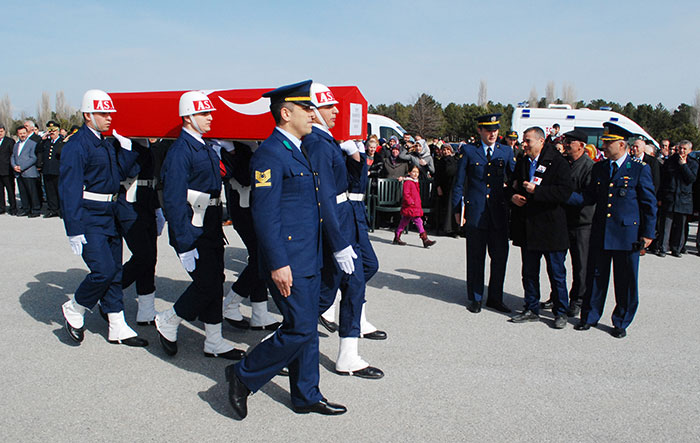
column 532, row 101
column 483, row 94
column 568, row 94
column 426, row 118
column 549, row 94
column 6, row 113
column 63, row 110
column 696, row 108
column 44, row 109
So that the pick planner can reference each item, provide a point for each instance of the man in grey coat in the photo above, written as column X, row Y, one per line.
column 23, row 162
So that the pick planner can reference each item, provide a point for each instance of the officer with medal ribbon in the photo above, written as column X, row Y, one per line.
column 191, row 177
column 287, row 215
column 482, row 173
column 90, row 172
column 623, row 224
column 342, row 267
column 49, row 161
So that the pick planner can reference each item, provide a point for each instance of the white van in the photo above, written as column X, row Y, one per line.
column 588, row 120
column 383, row 127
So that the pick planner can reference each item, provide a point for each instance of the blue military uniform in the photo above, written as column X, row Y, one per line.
column 479, row 185
column 625, row 212
column 358, row 179
column 92, row 168
column 193, row 165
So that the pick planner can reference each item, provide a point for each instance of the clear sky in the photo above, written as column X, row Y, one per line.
column 639, row 51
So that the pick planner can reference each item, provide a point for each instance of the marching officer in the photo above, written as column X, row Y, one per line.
column 342, row 264
column 286, row 208
column 48, row 163
column 141, row 220
column 481, row 177
column 192, row 206
column 90, row 172
column 623, row 224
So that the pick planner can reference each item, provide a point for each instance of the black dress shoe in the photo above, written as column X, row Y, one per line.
column 239, row 324
column 77, row 334
column 330, row 326
column 560, row 321
column 525, row 316
column 12, row 212
column 22, row 213
column 474, row 306
column 369, row 372
column 33, row 215
column 146, row 323
column 574, row 310
column 498, row 306
column 323, row 407
column 618, row 332
column 170, row 347
column 50, row 214
column 547, row 304
column 376, row 335
column 582, row 326
column 237, row 392
column 233, row 354
column 660, row 253
column 136, row 342
column 270, row 327
column 676, row 254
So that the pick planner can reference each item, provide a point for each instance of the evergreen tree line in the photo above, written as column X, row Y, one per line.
column 456, row 122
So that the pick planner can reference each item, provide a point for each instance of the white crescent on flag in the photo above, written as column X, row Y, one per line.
column 258, row 107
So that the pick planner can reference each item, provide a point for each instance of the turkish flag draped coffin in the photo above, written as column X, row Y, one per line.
column 241, row 114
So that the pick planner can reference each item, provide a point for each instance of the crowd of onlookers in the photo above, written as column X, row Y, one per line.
column 674, row 169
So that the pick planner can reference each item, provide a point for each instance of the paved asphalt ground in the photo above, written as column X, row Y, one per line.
column 450, row 375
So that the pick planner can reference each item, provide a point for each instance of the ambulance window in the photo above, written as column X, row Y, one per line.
column 386, row 132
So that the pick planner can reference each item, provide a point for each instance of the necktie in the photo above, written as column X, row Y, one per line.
column 614, row 169
column 488, row 153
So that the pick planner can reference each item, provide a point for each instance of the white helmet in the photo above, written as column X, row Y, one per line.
column 321, row 95
column 195, row 102
column 96, row 100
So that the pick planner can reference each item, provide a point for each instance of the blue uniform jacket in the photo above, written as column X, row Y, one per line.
column 625, row 206
column 189, row 164
column 286, row 208
column 482, row 186
column 91, row 164
column 328, row 161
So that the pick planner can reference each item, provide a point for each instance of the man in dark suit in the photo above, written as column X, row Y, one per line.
column 678, row 175
column 23, row 163
column 287, row 210
column 7, row 175
column 48, row 163
column 541, row 185
column 479, row 185
column 623, row 223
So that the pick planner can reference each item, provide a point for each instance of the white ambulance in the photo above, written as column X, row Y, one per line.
column 588, row 120
column 383, row 127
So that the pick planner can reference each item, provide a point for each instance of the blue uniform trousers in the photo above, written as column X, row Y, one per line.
column 249, row 282
column 202, row 298
column 556, row 270
column 477, row 241
column 352, row 292
column 294, row 344
column 141, row 238
column 103, row 256
column 370, row 263
column 626, row 269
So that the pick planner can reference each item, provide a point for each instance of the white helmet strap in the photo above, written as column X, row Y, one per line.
column 194, row 124
column 321, row 121
column 94, row 122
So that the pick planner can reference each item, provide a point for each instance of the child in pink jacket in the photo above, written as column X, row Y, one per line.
column 412, row 209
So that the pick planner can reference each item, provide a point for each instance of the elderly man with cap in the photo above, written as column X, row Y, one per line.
column 90, row 172
column 49, row 156
column 342, row 265
column 481, row 177
column 511, row 139
column 191, row 177
column 287, row 211
column 623, row 223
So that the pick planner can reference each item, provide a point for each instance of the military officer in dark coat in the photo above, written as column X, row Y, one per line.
column 541, row 185
column 48, row 163
column 623, row 223
column 286, row 209
column 483, row 171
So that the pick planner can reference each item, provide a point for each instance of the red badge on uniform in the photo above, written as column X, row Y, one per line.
column 202, row 105
column 537, row 180
column 103, row 105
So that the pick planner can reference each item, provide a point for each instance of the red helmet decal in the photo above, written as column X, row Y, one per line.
column 202, row 105
column 103, row 105
column 324, row 97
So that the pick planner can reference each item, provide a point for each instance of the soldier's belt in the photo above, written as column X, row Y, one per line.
column 200, row 201
column 341, row 198
column 150, row 183
column 356, row 197
column 94, row 196
column 130, row 185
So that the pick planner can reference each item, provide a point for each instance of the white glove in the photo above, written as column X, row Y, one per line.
column 160, row 221
column 360, row 146
column 188, row 259
column 344, row 258
column 226, row 144
column 349, row 147
column 76, row 243
column 123, row 141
